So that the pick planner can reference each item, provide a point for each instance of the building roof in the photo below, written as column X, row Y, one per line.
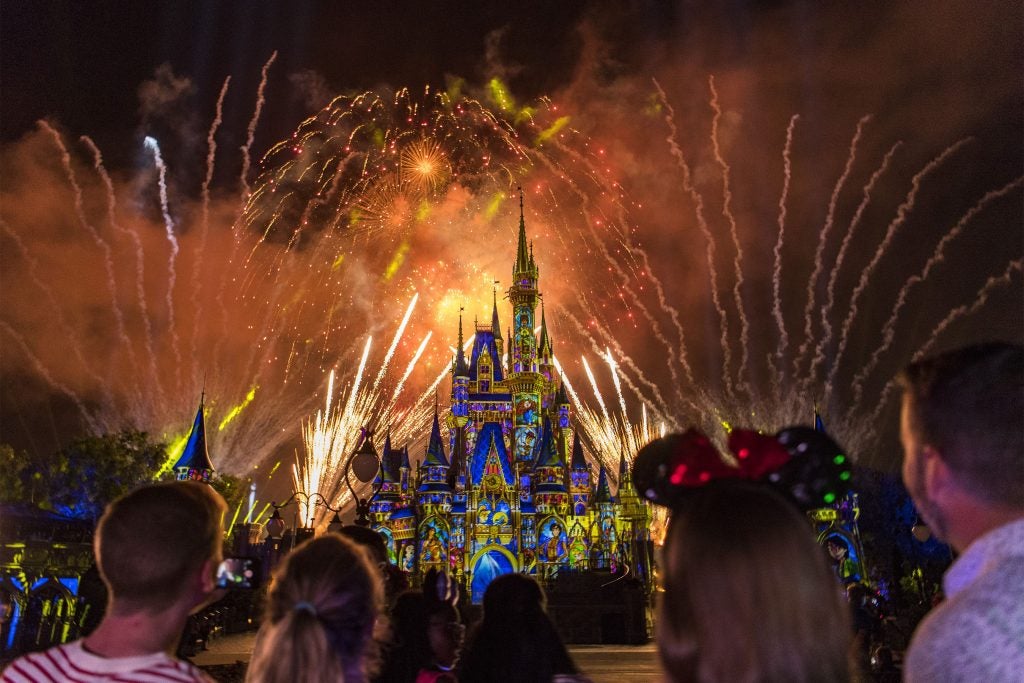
column 485, row 344
column 490, row 436
column 435, row 448
column 195, row 455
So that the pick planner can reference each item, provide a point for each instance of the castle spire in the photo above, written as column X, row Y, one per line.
column 545, row 340
column 461, row 367
column 495, row 325
column 522, row 254
column 194, row 462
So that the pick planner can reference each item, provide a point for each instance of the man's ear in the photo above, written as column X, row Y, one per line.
column 207, row 576
column 937, row 474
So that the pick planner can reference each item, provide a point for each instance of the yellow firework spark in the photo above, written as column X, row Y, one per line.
column 424, row 166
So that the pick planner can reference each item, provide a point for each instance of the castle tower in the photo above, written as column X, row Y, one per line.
column 194, row 462
column 525, row 382
column 579, row 479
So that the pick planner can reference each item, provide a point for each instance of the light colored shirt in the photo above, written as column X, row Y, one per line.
column 977, row 633
column 71, row 662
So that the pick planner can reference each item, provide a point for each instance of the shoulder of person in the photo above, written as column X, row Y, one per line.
column 977, row 635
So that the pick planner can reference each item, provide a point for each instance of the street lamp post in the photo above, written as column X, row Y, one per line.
column 365, row 463
column 276, row 524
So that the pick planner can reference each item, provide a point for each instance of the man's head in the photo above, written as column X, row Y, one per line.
column 962, row 428
column 159, row 544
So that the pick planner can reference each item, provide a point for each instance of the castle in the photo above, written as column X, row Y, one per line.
column 510, row 489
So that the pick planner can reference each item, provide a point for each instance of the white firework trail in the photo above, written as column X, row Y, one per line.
column 901, row 215
column 251, row 130
column 787, row 175
column 153, row 146
column 980, row 300
column 613, row 366
column 733, row 232
column 702, row 223
column 140, row 275
column 394, row 342
column 937, row 257
column 108, row 259
column 830, row 291
column 819, row 252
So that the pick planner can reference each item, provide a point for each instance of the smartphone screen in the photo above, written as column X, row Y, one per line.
column 238, row 572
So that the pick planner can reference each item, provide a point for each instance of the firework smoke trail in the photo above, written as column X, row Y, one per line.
column 411, row 365
column 394, row 342
column 613, row 366
column 681, row 357
column 605, row 334
column 204, row 226
column 830, row 291
column 251, row 129
column 937, row 257
column 41, row 369
column 69, row 333
column 901, row 215
column 140, row 290
column 154, row 147
column 819, row 252
column 624, row 283
column 597, row 392
column 738, row 259
column 108, row 260
column 994, row 282
column 698, row 201
column 787, row 174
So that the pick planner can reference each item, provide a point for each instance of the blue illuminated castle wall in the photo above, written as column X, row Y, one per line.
column 504, row 485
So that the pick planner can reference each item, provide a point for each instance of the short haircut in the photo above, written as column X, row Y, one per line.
column 150, row 541
column 968, row 405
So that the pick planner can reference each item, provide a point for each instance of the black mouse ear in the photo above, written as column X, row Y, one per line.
column 667, row 470
column 819, row 472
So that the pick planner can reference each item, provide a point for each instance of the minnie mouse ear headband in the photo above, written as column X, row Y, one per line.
column 804, row 464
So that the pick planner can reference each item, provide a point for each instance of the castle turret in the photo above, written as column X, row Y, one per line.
column 194, row 462
column 524, row 380
column 551, row 496
column 496, row 327
column 434, row 493
column 579, row 479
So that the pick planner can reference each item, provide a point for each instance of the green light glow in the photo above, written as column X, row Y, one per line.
column 174, row 450
column 492, row 206
column 845, row 476
column 500, row 95
column 396, row 261
column 233, row 413
column 552, row 130
column 839, row 459
column 830, row 497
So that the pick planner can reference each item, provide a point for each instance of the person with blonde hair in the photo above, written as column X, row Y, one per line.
column 322, row 610
column 748, row 592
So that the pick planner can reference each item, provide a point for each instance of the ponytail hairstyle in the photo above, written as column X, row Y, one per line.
column 321, row 613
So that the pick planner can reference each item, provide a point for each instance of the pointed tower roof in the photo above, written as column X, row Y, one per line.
column 522, row 254
column 545, row 340
column 405, row 458
column 623, row 467
column 579, row 462
column 435, row 449
column 549, row 456
column 461, row 366
column 604, row 491
column 495, row 325
column 561, row 398
column 195, row 456
column 388, row 472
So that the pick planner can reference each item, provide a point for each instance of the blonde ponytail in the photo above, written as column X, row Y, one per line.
column 321, row 612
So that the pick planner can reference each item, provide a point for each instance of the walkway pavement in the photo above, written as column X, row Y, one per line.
column 602, row 663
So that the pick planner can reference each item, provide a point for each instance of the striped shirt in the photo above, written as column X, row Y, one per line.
column 72, row 664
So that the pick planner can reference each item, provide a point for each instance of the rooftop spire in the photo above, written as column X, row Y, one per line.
column 522, row 253
column 545, row 340
column 495, row 325
column 461, row 367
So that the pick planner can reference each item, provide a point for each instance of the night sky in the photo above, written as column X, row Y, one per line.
column 609, row 197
